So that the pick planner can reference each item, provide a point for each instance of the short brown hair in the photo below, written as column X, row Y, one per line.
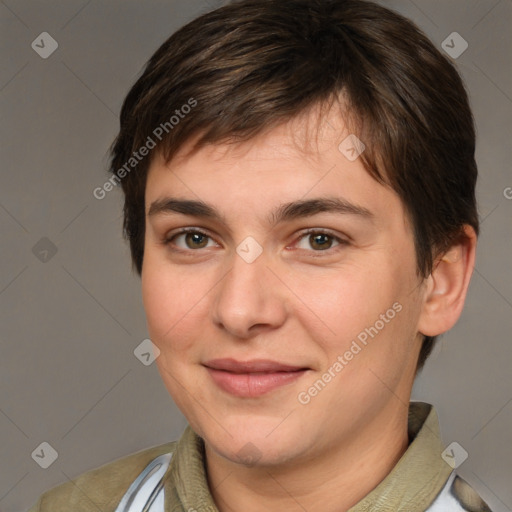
column 254, row 64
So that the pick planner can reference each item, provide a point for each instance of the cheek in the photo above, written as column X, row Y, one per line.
column 346, row 304
column 349, row 298
column 171, row 301
column 156, row 298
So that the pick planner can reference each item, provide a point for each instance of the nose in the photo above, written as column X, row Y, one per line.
column 250, row 299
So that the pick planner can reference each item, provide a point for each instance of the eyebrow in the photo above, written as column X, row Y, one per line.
column 284, row 212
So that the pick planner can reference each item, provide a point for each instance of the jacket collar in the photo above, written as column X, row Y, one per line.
column 420, row 473
column 412, row 485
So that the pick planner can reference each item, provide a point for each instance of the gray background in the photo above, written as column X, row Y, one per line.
column 70, row 324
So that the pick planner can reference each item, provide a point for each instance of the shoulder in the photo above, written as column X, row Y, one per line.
column 458, row 496
column 467, row 496
column 101, row 488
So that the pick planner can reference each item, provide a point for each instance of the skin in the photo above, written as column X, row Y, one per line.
column 207, row 302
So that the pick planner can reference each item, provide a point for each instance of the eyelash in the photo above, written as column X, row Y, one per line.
column 167, row 241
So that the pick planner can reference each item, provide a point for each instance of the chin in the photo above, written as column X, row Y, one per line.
column 255, row 441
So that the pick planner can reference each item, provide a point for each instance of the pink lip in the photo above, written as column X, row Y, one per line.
column 251, row 378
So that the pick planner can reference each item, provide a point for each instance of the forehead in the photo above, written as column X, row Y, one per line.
column 305, row 136
column 303, row 158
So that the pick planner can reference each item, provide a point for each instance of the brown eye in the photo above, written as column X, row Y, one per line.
column 193, row 239
column 320, row 241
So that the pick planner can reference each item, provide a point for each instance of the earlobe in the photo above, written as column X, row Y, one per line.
column 447, row 286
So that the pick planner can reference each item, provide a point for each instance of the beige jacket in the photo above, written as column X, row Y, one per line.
column 420, row 476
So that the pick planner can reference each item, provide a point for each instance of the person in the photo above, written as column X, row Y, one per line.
column 299, row 185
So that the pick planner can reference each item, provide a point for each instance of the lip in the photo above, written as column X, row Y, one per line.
column 250, row 379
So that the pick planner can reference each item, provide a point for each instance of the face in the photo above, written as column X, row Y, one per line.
column 283, row 331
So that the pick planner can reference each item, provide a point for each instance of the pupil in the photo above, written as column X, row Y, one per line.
column 196, row 238
column 317, row 237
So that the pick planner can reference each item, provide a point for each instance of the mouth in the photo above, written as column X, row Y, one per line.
column 250, row 379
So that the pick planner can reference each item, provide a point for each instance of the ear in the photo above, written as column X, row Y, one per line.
column 447, row 286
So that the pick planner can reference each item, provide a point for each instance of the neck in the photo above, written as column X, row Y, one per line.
column 332, row 481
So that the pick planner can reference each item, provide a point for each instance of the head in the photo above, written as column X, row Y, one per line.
column 249, row 107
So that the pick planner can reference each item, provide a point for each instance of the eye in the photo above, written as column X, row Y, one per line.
column 193, row 239
column 320, row 240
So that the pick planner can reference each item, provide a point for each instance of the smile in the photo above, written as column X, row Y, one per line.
column 251, row 379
